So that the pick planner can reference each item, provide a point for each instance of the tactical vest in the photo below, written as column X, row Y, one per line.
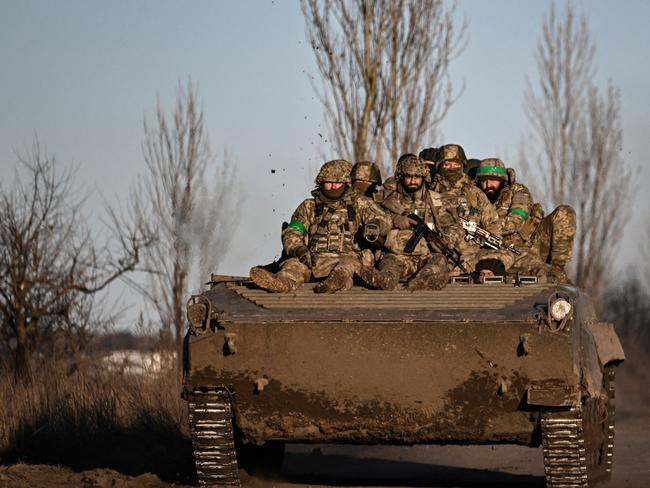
column 334, row 227
column 460, row 196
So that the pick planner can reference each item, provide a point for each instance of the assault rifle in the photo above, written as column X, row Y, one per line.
column 434, row 238
column 483, row 237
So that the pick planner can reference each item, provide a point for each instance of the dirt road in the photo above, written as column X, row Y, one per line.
column 434, row 466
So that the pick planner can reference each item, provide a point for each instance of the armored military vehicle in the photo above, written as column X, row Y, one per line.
column 495, row 363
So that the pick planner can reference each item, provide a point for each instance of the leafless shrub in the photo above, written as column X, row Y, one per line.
column 51, row 266
column 384, row 71
column 577, row 143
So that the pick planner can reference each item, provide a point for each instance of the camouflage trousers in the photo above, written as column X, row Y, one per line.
column 423, row 272
column 339, row 268
column 553, row 238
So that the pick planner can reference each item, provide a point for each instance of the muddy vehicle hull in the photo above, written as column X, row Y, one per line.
column 465, row 365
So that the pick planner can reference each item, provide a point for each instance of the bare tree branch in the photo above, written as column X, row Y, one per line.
column 384, row 72
column 191, row 217
column 577, row 138
column 51, row 266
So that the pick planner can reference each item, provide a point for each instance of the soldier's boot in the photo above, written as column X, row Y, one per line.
column 280, row 282
column 338, row 279
column 385, row 279
column 433, row 276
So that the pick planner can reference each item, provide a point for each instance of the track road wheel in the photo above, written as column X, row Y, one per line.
column 578, row 443
column 210, row 419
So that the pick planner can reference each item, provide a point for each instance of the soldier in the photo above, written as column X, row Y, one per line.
column 366, row 178
column 390, row 185
column 428, row 155
column 409, row 256
column 460, row 194
column 522, row 221
column 321, row 239
column 460, row 190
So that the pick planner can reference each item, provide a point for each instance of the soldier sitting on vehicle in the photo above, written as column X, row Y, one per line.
column 412, row 253
column 322, row 239
column 429, row 155
column 523, row 223
column 460, row 193
column 460, row 190
column 366, row 179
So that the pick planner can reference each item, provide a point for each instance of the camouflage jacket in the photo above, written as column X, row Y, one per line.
column 331, row 227
column 432, row 208
column 465, row 192
column 518, row 215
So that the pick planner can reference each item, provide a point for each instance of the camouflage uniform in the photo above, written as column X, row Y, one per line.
column 460, row 192
column 367, row 171
column 389, row 186
column 549, row 239
column 321, row 239
column 426, row 270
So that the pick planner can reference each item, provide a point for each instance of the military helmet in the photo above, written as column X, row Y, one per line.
column 492, row 168
column 366, row 170
column 451, row 152
column 412, row 166
column 428, row 154
column 337, row 170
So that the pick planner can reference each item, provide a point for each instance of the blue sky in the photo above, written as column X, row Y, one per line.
column 82, row 74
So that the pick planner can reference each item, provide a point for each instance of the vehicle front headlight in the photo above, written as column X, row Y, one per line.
column 560, row 309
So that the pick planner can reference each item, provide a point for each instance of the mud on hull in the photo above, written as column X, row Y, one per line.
column 465, row 365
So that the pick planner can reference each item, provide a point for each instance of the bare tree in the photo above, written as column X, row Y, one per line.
column 190, row 211
column 51, row 267
column 384, row 70
column 578, row 136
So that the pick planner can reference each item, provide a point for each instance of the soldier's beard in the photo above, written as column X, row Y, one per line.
column 492, row 194
column 412, row 188
column 334, row 194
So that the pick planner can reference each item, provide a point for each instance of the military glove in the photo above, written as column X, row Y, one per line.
column 304, row 256
column 402, row 222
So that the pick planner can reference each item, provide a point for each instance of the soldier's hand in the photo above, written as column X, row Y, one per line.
column 402, row 222
column 304, row 256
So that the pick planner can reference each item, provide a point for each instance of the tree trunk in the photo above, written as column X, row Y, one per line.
column 22, row 369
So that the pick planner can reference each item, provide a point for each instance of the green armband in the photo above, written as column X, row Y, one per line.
column 473, row 211
column 299, row 226
column 522, row 213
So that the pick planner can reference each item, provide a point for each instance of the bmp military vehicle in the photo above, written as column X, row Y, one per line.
column 491, row 363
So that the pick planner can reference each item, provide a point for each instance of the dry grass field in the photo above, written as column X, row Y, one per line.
column 96, row 418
